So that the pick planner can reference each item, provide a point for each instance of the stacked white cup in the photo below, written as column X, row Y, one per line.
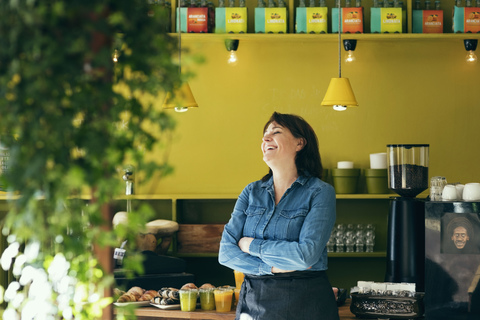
column 449, row 193
column 471, row 191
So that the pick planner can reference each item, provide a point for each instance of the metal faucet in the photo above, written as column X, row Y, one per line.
column 129, row 179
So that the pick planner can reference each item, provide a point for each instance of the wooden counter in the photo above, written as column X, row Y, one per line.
column 149, row 313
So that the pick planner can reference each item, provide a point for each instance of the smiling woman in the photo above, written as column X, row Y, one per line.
column 280, row 146
column 308, row 157
column 279, row 228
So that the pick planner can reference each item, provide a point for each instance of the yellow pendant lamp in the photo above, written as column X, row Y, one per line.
column 339, row 93
column 182, row 98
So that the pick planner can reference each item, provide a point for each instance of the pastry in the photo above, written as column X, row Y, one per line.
column 148, row 295
column 207, row 286
column 189, row 286
column 136, row 291
column 127, row 297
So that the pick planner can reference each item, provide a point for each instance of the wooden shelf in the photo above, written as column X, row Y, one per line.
column 196, row 255
column 365, row 196
column 378, row 254
column 232, row 196
column 291, row 36
column 331, row 37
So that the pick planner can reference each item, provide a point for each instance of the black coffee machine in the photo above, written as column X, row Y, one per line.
column 408, row 177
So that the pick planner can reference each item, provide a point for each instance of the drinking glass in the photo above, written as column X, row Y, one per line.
column 223, row 299
column 188, row 299
column 207, row 299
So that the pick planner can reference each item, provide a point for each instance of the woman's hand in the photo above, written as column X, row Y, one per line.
column 277, row 270
column 244, row 244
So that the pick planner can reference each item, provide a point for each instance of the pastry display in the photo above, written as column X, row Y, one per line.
column 134, row 294
column 171, row 296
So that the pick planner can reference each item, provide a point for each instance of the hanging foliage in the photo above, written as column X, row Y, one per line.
column 70, row 117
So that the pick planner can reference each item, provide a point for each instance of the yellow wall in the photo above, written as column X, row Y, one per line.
column 410, row 90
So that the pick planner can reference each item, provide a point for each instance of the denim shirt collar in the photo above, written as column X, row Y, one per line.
column 301, row 180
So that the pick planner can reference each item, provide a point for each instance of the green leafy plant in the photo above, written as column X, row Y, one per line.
column 71, row 118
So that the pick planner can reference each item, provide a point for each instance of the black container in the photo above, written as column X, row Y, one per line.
column 405, row 243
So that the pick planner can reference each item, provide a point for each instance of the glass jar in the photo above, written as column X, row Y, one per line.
column 408, row 168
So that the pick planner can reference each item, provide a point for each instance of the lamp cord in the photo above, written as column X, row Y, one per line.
column 339, row 42
column 179, row 27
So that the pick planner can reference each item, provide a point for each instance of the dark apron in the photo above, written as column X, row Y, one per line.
column 299, row 295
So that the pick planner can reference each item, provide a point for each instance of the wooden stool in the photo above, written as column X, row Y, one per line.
column 162, row 229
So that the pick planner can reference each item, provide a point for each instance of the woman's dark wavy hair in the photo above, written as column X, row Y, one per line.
column 308, row 159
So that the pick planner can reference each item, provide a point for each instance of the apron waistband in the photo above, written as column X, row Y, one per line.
column 289, row 275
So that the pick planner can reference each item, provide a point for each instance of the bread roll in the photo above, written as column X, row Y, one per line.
column 188, row 286
column 136, row 291
column 207, row 286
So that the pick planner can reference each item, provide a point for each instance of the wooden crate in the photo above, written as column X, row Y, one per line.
column 199, row 238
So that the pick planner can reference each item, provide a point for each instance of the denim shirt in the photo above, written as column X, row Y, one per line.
column 291, row 235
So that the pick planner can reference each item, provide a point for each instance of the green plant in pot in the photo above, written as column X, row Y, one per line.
column 71, row 118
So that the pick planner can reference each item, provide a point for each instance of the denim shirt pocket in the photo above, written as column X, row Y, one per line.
column 254, row 214
column 289, row 223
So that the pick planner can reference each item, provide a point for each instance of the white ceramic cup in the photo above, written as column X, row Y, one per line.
column 449, row 193
column 378, row 160
column 471, row 191
column 459, row 188
column 345, row 164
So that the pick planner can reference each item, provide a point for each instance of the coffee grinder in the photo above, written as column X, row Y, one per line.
column 408, row 177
